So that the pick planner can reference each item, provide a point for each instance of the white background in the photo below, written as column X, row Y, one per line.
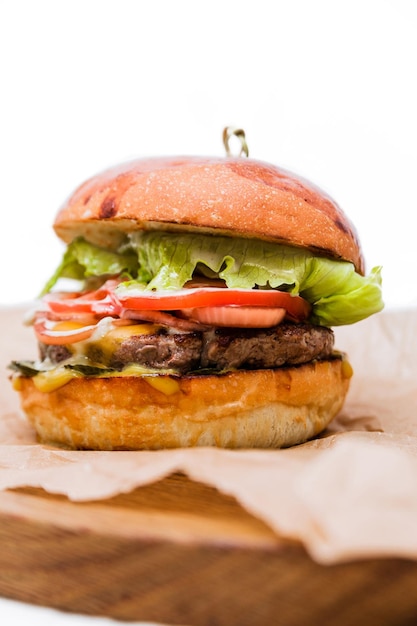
column 325, row 88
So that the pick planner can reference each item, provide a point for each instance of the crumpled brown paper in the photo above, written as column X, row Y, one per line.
column 351, row 493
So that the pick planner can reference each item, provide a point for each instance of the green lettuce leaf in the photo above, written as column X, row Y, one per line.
column 82, row 260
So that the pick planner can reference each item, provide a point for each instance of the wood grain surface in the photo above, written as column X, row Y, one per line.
column 179, row 552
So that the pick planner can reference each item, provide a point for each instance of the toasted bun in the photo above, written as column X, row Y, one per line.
column 125, row 413
column 231, row 196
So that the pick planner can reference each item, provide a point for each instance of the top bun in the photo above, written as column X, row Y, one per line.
column 229, row 196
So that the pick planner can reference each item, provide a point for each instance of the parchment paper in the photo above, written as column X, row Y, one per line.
column 349, row 494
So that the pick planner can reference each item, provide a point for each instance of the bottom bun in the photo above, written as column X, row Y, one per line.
column 241, row 409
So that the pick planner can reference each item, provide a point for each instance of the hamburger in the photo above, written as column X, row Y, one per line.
column 194, row 306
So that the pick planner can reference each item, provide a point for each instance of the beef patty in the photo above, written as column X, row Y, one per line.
column 217, row 348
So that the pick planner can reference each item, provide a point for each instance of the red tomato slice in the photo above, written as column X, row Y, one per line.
column 237, row 316
column 296, row 307
column 104, row 302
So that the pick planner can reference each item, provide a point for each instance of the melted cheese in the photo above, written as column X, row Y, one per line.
column 59, row 376
column 114, row 337
column 165, row 384
column 107, row 337
column 53, row 379
column 347, row 369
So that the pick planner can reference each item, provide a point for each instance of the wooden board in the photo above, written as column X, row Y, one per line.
column 179, row 552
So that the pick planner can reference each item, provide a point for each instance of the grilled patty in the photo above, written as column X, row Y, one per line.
column 217, row 348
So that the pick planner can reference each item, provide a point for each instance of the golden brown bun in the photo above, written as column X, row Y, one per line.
column 228, row 410
column 228, row 196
